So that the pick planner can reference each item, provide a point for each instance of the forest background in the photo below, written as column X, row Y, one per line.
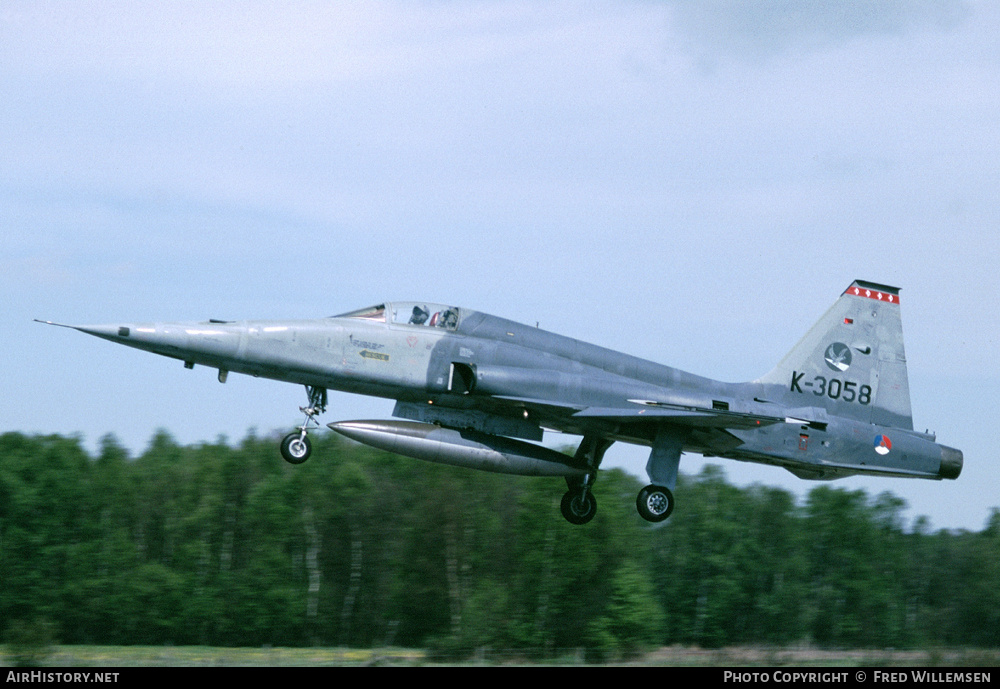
column 227, row 545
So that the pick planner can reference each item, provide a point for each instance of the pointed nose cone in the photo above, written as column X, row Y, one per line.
column 213, row 343
column 151, row 337
column 108, row 332
column 157, row 338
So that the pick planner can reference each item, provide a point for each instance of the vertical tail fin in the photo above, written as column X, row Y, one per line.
column 852, row 361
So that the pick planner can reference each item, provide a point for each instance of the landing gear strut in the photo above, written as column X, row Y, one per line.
column 578, row 508
column 295, row 447
column 578, row 505
column 655, row 502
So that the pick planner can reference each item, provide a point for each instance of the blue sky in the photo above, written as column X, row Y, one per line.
column 693, row 183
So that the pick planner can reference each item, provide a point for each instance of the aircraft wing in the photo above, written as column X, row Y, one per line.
column 700, row 418
column 654, row 412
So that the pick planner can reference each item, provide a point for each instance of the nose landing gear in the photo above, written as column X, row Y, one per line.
column 295, row 447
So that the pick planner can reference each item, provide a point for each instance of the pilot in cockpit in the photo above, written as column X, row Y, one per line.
column 419, row 316
column 449, row 319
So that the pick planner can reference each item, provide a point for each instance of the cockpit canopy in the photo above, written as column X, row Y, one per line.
column 420, row 313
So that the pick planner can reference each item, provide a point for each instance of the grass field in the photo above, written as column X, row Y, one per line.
column 205, row 656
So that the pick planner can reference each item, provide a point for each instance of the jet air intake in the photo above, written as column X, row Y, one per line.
column 465, row 448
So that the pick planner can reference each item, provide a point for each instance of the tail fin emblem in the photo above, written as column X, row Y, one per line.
column 838, row 356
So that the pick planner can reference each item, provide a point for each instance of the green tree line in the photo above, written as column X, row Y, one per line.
column 230, row 546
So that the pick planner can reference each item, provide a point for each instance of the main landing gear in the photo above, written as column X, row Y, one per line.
column 655, row 503
column 295, row 447
column 578, row 505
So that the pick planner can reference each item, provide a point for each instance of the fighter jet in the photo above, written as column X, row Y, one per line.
column 472, row 389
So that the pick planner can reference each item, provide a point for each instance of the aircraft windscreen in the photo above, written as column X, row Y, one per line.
column 372, row 313
column 428, row 315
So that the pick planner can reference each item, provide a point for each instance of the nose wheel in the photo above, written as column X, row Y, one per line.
column 296, row 447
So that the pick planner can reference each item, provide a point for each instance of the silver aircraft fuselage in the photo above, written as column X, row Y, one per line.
column 469, row 383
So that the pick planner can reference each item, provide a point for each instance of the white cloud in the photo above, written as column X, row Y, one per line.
column 756, row 29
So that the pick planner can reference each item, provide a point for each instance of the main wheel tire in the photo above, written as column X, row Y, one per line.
column 578, row 509
column 296, row 448
column 655, row 503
